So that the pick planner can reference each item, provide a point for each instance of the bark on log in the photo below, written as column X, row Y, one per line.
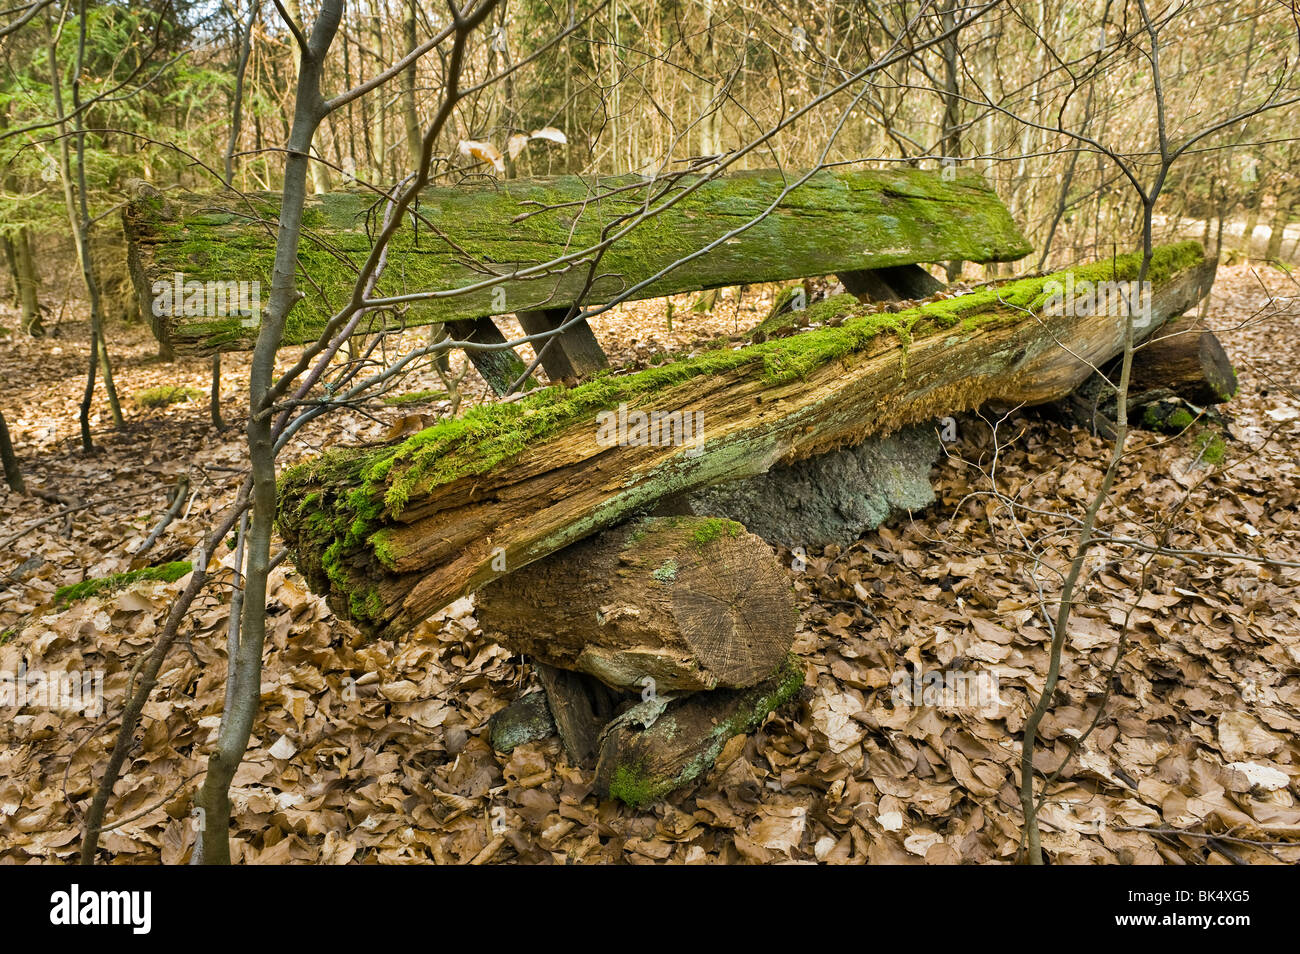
column 839, row 220
column 1187, row 359
column 833, row 497
column 666, row 603
column 392, row 535
column 663, row 744
column 580, row 706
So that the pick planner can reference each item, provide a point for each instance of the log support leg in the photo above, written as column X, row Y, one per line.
column 499, row 368
column 575, row 354
column 891, row 284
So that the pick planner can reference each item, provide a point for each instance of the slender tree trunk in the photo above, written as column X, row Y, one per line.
column 214, row 399
column 13, row 475
column 951, row 145
column 1281, row 216
column 78, row 212
column 11, row 259
column 27, row 283
column 409, row 114
column 246, row 667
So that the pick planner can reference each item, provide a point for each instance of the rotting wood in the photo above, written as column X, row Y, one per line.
column 392, row 535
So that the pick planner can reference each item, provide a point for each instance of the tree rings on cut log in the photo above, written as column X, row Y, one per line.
column 688, row 602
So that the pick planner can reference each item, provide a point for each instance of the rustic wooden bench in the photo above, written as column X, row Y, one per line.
column 599, row 543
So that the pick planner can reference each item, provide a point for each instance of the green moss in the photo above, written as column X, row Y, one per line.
column 380, row 483
column 489, row 434
column 863, row 218
column 97, row 586
column 385, row 552
column 166, row 394
column 634, row 786
column 667, row 571
column 415, row 397
column 1212, row 447
column 712, row 528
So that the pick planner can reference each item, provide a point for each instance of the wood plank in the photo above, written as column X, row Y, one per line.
column 574, row 354
column 499, row 368
column 838, row 220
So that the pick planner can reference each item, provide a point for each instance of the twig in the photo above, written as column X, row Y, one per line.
column 178, row 498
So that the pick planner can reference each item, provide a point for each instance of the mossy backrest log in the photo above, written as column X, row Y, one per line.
column 200, row 263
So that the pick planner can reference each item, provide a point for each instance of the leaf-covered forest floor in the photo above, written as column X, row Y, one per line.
column 378, row 754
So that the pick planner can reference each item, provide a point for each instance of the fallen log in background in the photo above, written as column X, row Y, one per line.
column 391, row 535
column 1187, row 359
column 839, row 220
column 1184, row 364
column 688, row 602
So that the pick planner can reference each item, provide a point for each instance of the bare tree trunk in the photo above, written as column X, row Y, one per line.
column 78, row 211
column 27, row 282
column 246, row 667
column 951, row 145
column 13, row 475
column 1281, row 216
column 214, row 399
column 414, row 140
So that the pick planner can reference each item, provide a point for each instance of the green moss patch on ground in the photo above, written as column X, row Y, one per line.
column 165, row 394
column 96, row 586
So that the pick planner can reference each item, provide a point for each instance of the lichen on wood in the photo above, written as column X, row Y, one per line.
column 463, row 235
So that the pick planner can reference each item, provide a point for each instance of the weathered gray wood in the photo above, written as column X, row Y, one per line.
column 580, row 707
column 527, row 719
column 833, row 497
column 575, row 352
column 499, row 368
column 838, row 220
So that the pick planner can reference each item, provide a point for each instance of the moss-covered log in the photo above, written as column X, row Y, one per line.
column 662, row 744
column 393, row 534
column 457, row 236
column 680, row 603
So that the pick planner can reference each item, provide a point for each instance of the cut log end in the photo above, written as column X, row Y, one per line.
column 680, row 603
